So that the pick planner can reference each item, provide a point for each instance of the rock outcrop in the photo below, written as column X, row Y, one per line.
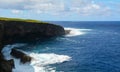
column 20, row 55
column 6, row 65
column 20, row 30
column 67, row 31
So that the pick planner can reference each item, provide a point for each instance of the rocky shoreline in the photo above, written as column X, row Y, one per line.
column 21, row 31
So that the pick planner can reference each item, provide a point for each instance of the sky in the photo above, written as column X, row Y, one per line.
column 62, row 10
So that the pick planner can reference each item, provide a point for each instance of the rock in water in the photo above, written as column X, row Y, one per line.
column 6, row 65
column 67, row 31
column 20, row 55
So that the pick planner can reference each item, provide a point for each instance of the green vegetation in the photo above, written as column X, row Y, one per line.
column 23, row 20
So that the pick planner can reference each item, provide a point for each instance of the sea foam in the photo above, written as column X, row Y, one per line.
column 40, row 63
column 76, row 31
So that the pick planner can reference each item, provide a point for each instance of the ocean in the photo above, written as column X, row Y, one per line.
column 90, row 47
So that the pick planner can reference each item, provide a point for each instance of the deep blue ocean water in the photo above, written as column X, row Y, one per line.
column 96, row 49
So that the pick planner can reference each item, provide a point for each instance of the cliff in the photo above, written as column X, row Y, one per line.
column 20, row 30
column 1, row 37
column 28, row 30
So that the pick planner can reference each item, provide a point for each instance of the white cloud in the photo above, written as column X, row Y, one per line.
column 53, row 6
column 16, row 11
column 95, row 6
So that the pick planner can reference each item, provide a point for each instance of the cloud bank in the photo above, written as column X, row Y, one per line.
column 56, row 7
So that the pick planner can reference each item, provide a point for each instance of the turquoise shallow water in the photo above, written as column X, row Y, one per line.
column 90, row 47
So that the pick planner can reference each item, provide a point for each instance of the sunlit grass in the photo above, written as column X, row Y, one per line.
column 23, row 20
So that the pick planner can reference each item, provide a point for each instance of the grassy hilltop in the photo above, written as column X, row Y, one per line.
column 23, row 20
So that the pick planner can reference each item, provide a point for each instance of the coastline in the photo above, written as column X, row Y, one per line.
column 12, row 31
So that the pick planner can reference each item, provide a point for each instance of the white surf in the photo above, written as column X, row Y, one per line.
column 76, row 31
column 40, row 62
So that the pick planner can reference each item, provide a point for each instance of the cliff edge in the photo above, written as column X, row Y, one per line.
column 13, row 30
column 28, row 30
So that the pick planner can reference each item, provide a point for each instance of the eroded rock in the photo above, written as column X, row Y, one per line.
column 24, row 58
column 6, row 65
column 67, row 31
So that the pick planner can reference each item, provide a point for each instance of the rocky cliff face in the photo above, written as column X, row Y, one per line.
column 6, row 65
column 1, row 35
column 14, row 30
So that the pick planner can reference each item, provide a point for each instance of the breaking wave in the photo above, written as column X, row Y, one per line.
column 76, row 31
column 40, row 63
